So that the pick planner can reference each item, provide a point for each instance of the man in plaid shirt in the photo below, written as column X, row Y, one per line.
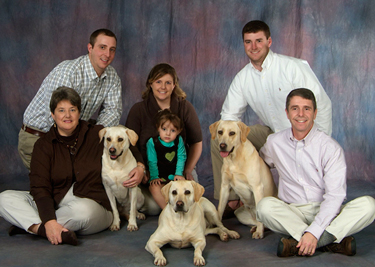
column 91, row 76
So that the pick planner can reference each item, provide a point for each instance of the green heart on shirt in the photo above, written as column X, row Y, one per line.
column 170, row 156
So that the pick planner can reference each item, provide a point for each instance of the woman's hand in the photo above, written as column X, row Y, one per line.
column 188, row 176
column 156, row 182
column 178, row 177
column 53, row 231
column 136, row 177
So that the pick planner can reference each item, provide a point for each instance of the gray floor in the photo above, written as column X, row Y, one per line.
column 125, row 248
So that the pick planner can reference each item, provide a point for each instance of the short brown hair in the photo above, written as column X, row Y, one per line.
column 255, row 26
column 96, row 33
column 159, row 71
column 302, row 92
column 64, row 93
column 167, row 115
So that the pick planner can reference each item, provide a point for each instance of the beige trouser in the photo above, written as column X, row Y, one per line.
column 82, row 215
column 257, row 136
column 26, row 143
column 294, row 219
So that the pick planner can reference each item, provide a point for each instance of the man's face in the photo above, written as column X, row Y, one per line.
column 301, row 115
column 102, row 53
column 256, row 47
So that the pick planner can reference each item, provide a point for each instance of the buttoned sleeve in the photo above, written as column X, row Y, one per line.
column 235, row 102
column 334, row 178
column 40, row 180
column 181, row 157
column 266, row 154
column 152, row 160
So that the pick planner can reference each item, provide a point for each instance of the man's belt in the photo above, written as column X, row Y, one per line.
column 32, row 131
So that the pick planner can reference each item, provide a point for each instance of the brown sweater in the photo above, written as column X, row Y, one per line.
column 51, row 172
column 142, row 119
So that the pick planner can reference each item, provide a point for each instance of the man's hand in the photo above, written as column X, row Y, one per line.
column 307, row 244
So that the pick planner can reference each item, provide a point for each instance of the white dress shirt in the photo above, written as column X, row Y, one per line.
column 266, row 91
column 310, row 170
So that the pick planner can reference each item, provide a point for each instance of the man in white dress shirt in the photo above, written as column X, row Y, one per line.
column 263, row 84
column 312, row 187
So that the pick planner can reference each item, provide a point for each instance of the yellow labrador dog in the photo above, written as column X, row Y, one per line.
column 186, row 220
column 117, row 162
column 243, row 171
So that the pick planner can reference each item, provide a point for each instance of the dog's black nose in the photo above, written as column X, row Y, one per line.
column 223, row 146
column 112, row 150
column 179, row 205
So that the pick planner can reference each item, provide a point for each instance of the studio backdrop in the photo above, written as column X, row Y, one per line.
column 202, row 41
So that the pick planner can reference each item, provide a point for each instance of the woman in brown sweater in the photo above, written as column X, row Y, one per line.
column 66, row 190
column 163, row 92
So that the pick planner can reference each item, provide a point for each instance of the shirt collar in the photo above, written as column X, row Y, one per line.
column 89, row 69
column 267, row 61
column 308, row 137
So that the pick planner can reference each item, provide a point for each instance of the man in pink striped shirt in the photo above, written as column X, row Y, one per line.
column 312, row 187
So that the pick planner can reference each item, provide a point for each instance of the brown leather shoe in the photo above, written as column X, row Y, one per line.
column 347, row 246
column 287, row 247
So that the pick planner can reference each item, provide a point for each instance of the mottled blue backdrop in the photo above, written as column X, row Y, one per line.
column 202, row 40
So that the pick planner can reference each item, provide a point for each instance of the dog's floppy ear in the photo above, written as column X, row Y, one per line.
column 165, row 191
column 244, row 130
column 102, row 133
column 133, row 136
column 198, row 191
column 213, row 128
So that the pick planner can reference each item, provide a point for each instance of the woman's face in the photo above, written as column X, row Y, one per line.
column 66, row 117
column 163, row 88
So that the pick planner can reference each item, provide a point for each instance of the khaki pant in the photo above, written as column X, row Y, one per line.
column 294, row 219
column 82, row 215
column 26, row 143
column 257, row 136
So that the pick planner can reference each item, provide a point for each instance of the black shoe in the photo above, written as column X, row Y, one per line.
column 287, row 247
column 347, row 246
column 14, row 230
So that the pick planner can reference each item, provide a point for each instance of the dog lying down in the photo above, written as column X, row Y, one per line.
column 117, row 162
column 244, row 171
column 186, row 220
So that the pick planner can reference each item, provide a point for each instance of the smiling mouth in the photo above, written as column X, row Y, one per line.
column 225, row 154
column 114, row 157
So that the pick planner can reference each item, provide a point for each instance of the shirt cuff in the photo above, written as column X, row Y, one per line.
column 315, row 230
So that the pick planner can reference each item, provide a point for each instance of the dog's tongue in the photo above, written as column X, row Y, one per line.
column 113, row 157
column 224, row 154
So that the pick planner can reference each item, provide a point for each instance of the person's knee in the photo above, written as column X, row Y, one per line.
column 84, row 210
column 8, row 197
column 264, row 208
column 369, row 205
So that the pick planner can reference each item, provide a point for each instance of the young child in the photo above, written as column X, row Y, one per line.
column 166, row 154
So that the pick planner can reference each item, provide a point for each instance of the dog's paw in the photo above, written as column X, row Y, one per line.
column 132, row 227
column 161, row 261
column 224, row 236
column 141, row 216
column 199, row 261
column 256, row 234
column 233, row 234
column 114, row 227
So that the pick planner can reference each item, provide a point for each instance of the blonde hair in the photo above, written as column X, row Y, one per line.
column 159, row 71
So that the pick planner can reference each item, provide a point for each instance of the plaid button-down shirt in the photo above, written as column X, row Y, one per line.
column 102, row 92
